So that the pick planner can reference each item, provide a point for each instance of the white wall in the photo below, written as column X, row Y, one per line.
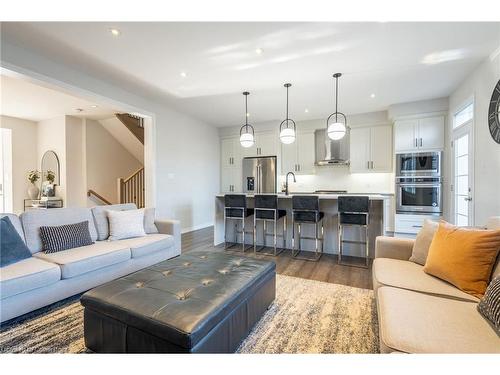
column 76, row 181
column 332, row 177
column 480, row 85
column 106, row 161
column 24, row 156
column 51, row 136
column 186, row 161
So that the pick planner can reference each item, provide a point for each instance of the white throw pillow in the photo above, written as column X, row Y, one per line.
column 126, row 224
column 149, row 221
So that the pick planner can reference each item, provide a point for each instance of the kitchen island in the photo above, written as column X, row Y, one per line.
column 328, row 204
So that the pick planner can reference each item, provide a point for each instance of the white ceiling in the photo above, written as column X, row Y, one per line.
column 398, row 62
column 30, row 101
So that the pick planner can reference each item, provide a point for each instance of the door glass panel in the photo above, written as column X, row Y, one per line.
column 462, row 180
column 464, row 115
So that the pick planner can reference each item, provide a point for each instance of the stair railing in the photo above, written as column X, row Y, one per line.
column 131, row 189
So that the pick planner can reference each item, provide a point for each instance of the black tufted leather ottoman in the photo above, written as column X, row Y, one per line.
column 200, row 302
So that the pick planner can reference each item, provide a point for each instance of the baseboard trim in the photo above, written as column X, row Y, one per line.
column 196, row 227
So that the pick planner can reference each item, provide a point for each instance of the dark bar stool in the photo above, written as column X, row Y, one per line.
column 266, row 209
column 353, row 211
column 305, row 210
column 235, row 208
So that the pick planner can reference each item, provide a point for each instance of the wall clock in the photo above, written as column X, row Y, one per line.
column 494, row 114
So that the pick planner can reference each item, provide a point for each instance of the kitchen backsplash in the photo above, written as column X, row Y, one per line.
column 339, row 178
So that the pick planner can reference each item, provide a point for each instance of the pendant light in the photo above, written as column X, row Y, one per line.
column 287, row 126
column 337, row 127
column 247, row 134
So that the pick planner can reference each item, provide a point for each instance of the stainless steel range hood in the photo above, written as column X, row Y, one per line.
column 331, row 152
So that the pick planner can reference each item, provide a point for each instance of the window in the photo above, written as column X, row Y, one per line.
column 463, row 116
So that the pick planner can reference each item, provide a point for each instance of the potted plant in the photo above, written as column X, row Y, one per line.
column 33, row 190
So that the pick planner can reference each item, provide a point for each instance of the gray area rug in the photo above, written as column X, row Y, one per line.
column 307, row 317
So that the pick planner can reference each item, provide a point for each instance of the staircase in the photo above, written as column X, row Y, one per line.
column 133, row 123
column 131, row 189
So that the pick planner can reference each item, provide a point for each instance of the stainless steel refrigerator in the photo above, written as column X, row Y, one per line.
column 259, row 175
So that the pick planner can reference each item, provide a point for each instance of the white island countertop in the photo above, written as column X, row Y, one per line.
column 372, row 197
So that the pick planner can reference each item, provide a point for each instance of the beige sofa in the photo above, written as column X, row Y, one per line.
column 419, row 313
column 47, row 278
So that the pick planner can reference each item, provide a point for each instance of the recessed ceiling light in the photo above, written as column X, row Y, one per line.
column 78, row 109
column 259, row 51
column 183, row 74
column 372, row 96
column 306, row 110
column 94, row 106
column 115, row 32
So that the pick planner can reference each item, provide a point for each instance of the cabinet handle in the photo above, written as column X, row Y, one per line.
column 371, row 164
column 416, row 142
column 368, row 165
column 420, row 142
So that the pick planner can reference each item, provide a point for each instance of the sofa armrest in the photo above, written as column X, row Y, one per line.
column 172, row 227
column 393, row 247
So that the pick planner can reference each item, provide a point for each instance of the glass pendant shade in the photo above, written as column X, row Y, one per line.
column 247, row 133
column 246, row 139
column 287, row 126
column 287, row 136
column 336, row 131
column 337, row 127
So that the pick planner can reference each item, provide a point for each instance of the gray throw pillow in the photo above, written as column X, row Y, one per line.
column 423, row 242
column 12, row 247
column 489, row 306
column 149, row 221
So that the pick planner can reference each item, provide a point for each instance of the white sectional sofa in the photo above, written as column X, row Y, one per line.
column 419, row 313
column 47, row 278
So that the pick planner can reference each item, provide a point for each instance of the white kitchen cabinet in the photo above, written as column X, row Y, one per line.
column 426, row 133
column 230, row 152
column 431, row 133
column 266, row 144
column 299, row 156
column 359, row 150
column 231, row 180
column 381, row 148
column 371, row 149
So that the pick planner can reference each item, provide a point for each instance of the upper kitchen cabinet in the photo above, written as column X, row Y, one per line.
column 371, row 149
column 265, row 145
column 298, row 157
column 426, row 133
column 230, row 149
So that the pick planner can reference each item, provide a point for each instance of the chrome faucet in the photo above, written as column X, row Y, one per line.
column 286, row 181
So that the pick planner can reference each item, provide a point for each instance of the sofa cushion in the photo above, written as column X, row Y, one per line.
column 80, row 260
column 101, row 217
column 16, row 222
column 408, row 275
column 420, row 323
column 149, row 244
column 464, row 257
column 423, row 242
column 12, row 247
column 126, row 224
column 32, row 220
column 26, row 275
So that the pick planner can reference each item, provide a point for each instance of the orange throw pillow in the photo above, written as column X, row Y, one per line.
column 464, row 257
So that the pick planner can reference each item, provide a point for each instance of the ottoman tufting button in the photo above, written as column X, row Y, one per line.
column 187, row 264
column 203, row 257
column 167, row 273
column 139, row 284
column 206, row 282
column 224, row 272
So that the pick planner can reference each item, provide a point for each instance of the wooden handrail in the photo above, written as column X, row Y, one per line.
column 92, row 192
column 133, row 174
column 131, row 189
column 133, row 123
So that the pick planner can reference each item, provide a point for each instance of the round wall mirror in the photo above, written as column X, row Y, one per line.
column 50, row 168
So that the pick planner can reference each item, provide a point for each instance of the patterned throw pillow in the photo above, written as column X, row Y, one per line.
column 489, row 307
column 63, row 237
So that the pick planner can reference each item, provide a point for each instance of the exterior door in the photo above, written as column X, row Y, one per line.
column 463, row 204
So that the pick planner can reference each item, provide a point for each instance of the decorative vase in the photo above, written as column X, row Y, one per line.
column 33, row 191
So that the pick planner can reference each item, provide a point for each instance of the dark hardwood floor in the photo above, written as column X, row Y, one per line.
column 326, row 269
